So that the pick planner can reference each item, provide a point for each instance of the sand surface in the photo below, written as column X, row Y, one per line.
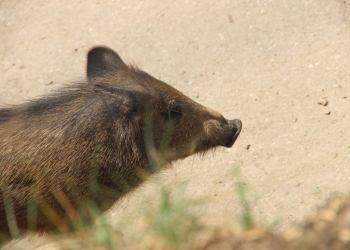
column 282, row 67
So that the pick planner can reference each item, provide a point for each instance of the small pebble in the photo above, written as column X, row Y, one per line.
column 323, row 102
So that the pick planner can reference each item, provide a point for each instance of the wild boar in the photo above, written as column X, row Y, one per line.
column 91, row 142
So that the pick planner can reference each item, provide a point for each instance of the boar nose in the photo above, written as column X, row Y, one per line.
column 236, row 126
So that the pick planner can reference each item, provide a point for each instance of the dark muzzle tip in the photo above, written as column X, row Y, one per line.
column 236, row 126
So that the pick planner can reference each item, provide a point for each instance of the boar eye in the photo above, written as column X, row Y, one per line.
column 174, row 112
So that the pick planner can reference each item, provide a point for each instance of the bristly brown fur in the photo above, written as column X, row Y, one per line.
column 92, row 142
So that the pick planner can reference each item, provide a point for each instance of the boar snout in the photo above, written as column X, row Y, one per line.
column 236, row 127
column 219, row 132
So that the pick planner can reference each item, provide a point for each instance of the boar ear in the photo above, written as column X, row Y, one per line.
column 102, row 60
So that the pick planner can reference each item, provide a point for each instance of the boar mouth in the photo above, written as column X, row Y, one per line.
column 236, row 127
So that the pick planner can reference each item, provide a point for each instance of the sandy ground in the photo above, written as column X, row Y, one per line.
column 282, row 67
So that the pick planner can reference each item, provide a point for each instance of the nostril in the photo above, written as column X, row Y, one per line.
column 235, row 124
